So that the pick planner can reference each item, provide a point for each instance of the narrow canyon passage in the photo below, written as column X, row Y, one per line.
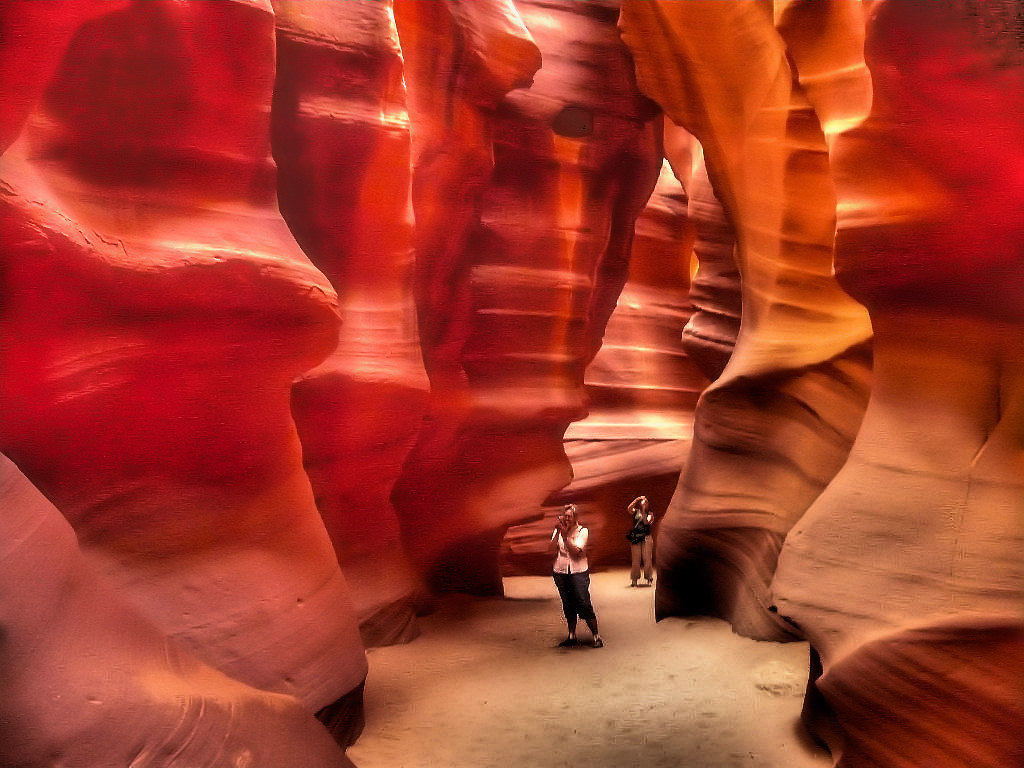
column 484, row 685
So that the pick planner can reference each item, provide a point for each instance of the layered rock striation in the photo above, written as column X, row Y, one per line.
column 905, row 573
column 525, row 199
column 641, row 389
column 775, row 426
column 904, row 570
column 89, row 681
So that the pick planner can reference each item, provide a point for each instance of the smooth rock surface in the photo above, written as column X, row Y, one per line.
column 773, row 428
column 342, row 146
column 525, row 199
column 155, row 310
column 89, row 681
column 906, row 573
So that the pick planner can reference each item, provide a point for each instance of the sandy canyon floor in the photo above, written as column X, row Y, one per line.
column 485, row 686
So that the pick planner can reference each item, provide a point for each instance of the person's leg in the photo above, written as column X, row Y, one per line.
column 581, row 583
column 634, row 571
column 567, row 592
column 648, row 557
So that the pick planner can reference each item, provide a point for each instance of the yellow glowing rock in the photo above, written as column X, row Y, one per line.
column 906, row 572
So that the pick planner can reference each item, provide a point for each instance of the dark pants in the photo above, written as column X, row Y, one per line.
column 574, row 589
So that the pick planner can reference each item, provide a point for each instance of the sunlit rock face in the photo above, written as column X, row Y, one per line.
column 906, row 573
column 641, row 387
column 154, row 312
column 710, row 334
column 775, row 426
column 341, row 142
column 525, row 200
column 89, row 681
column 641, row 384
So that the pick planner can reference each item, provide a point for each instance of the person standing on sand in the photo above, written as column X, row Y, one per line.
column 640, row 542
column 571, row 573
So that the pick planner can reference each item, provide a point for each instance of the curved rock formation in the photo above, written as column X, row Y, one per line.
column 154, row 313
column 341, row 142
column 906, row 573
column 525, row 200
column 772, row 430
column 641, row 384
column 88, row 681
column 641, row 387
column 710, row 334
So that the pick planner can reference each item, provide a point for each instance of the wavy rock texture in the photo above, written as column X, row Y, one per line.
column 641, row 384
column 155, row 311
column 524, row 226
column 777, row 424
column 906, row 573
column 133, row 697
column 341, row 141
column 642, row 389
column 710, row 334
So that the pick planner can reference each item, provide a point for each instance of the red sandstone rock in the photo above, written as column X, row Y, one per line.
column 341, row 142
column 155, row 311
column 88, row 681
column 641, row 384
column 525, row 205
column 772, row 430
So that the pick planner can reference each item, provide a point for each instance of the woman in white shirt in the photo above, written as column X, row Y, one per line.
column 571, row 573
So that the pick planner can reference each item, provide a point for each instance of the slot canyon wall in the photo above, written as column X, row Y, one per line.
column 878, row 513
column 312, row 311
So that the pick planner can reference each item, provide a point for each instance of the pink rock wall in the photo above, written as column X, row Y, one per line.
column 89, row 681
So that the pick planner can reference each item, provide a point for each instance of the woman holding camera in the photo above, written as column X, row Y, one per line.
column 640, row 542
column 571, row 573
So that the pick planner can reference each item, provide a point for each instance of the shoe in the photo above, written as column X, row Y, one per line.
column 632, row 583
column 569, row 642
column 598, row 642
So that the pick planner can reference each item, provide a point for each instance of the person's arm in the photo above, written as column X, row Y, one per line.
column 553, row 544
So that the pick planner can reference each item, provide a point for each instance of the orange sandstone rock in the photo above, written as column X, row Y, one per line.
column 641, row 388
column 905, row 574
column 774, row 427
